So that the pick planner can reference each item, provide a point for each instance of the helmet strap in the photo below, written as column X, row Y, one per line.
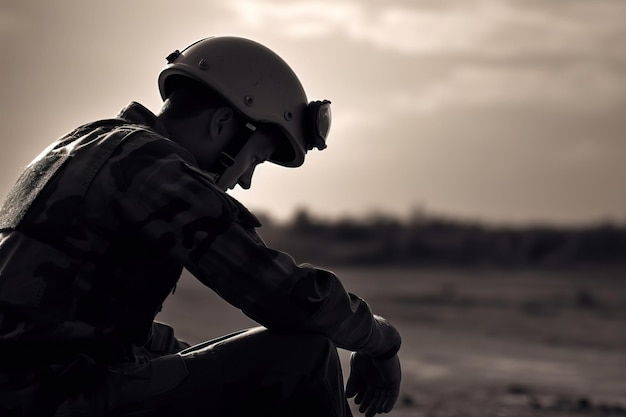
column 227, row 157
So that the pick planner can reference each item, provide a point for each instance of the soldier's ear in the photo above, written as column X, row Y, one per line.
column 223, row 123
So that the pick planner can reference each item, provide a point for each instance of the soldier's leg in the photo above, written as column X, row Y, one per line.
column 258, row 372
column 269, row 373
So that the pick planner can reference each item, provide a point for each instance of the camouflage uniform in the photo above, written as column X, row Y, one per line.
column 93, row 238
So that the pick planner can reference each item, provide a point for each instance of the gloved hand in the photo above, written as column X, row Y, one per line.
column 376, row 383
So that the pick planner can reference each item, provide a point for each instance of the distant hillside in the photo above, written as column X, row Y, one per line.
column 383, row 240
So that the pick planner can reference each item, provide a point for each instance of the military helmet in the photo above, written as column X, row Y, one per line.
column 260, row 85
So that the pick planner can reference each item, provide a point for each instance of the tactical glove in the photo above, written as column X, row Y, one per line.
column 374, row 382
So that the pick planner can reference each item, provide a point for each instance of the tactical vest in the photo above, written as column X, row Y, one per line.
column 60, row 284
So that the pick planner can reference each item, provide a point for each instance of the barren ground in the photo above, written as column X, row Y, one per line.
column 477, row 342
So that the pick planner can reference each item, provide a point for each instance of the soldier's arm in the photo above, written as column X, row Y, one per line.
column 177, row 204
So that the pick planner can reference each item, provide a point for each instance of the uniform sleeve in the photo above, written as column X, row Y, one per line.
column 176, row 204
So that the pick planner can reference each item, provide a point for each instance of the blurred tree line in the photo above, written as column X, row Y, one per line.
column 383, row 240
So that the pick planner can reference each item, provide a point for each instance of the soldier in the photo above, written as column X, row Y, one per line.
column 96, row 231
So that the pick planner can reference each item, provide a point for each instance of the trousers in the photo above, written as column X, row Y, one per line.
column 256, row 372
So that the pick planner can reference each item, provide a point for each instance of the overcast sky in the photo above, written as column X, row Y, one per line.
column 507, row 111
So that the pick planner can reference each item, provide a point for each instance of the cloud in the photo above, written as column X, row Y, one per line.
column 406, row 30
column 582, row 87
column 494, row 28
column 576, row 27
column 301, row 19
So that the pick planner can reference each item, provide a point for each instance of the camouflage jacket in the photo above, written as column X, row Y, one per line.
column 94, row 236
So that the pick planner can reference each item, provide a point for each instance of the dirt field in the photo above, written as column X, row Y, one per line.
column 478, row 342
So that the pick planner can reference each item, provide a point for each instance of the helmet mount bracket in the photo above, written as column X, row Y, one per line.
column 317, row 124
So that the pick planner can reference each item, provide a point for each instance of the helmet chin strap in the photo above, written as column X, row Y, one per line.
column 227, row 157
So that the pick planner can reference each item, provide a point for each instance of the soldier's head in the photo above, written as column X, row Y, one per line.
column 239, row 104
